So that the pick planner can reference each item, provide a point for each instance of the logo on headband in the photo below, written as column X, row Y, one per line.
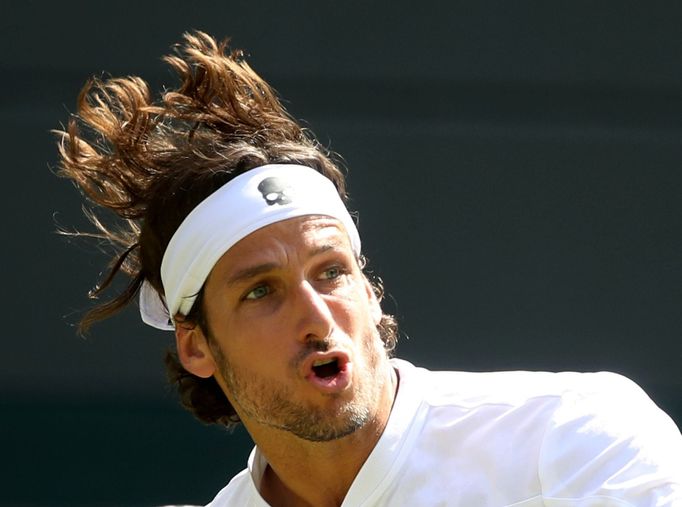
column 276, row 191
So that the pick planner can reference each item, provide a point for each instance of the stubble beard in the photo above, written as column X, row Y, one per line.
column 274, row 405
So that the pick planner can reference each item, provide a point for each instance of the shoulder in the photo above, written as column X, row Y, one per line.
column 583, row 435
column 513, row 388
column 611, row 439
column 610, row 406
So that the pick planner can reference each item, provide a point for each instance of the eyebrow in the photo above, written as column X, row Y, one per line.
column 246, row 274
column 243, row 275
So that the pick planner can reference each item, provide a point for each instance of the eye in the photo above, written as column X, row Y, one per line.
column 257, row 292
column 331, row 273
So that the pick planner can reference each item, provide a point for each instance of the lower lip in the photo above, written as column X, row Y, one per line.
column 331, row 385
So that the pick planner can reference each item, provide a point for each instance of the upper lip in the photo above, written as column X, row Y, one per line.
column 307, row 365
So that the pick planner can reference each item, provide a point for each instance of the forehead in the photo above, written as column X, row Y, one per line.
column 301, row 236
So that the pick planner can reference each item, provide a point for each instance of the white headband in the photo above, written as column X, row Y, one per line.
column 259, row 197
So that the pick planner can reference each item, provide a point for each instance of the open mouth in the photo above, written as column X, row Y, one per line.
column 330, row 373
column 326, row 368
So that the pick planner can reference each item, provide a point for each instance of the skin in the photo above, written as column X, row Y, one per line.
column 281, row 297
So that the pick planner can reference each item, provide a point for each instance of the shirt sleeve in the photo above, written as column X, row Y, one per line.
column 609, row 445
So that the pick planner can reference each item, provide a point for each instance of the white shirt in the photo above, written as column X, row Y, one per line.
column 521, row 439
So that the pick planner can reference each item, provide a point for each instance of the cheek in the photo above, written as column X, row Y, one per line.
column 353, row 314
column 344, row 314
column 255, row 342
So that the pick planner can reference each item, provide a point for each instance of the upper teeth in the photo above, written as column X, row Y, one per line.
column 322, row 362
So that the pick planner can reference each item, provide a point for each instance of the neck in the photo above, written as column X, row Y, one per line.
column 304, row 473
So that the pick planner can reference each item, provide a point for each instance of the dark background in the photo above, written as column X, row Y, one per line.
column 517, row 170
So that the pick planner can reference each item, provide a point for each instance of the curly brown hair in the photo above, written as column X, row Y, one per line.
column 152, row 161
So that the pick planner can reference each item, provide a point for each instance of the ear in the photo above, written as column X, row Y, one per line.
column 193, row 350
column 375, row 307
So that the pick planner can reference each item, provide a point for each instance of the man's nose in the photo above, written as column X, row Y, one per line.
column 314, row 318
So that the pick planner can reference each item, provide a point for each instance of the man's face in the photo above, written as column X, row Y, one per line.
column 293, row 330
